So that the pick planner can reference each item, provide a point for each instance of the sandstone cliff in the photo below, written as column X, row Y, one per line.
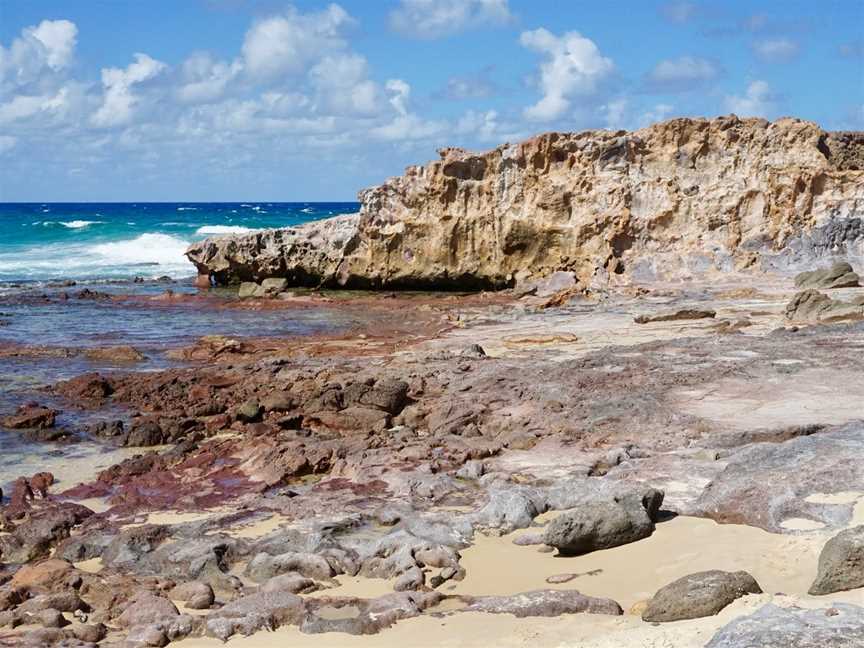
column 676, row 199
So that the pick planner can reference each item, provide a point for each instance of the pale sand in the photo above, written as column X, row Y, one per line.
column 784, row 566
column 92, row 566
column 175, row 517
column 258, row 528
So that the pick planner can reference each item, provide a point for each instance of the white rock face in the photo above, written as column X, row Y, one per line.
column 680, row 198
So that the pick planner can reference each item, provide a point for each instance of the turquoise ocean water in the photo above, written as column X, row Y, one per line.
column 43, row 242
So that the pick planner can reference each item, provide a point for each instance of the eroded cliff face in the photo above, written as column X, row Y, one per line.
column 680, row 198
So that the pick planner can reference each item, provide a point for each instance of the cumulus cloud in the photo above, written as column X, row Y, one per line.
column 430, row 19
column 776, row 50
column 758, row 101
column 285, row 44
column 204, row 79
column 681, row 74
column 48, row 47
column 574, row 66
column 119, row 99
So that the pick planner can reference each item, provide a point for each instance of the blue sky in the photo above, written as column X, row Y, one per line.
column 265, row 100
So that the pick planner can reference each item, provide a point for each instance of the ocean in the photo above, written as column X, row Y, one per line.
column 92, row 241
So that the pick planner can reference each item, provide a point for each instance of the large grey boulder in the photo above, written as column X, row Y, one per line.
column 603, row 523
column 841, row 563
column 840, row 626
column 699, row 595
column 839, row 275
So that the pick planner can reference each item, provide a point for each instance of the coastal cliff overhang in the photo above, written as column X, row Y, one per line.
column 680, row 198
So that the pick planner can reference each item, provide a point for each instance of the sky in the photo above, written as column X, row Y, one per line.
column 233, row 100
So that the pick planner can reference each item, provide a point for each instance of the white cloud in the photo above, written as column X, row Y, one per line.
column 681, row 74
column 614, row 113
column 399, row 94
column 758, row 101
column 776, row 50
column 410, row 127
column 437, row 18
column 574, row 67
column 285, row 44
column 119, row 100
column 203, row 79
column 58, row 37
column 658, row 113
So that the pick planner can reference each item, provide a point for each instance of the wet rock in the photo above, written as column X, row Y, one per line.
column 813, row 306
column 839, row 275
column 841, row 563
column 145, row 432
column 544, row 603
column 31, row 416
column 195, row 595
column 602, row 524
column 683, row 314
column 699, row 595
column 115, row 354
column 841, row 626
column 90, row 387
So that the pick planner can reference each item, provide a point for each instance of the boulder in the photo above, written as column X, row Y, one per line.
column 841, row 563
column 273, row 286
column 31, row 416
column 839, row 275
column 544, row 603
column 247, row 289
column 840, row 626
column 601, row 524
column 813, row 306
column 699, row 595
column 250, row 411
column 146, row 608
column 194, row 594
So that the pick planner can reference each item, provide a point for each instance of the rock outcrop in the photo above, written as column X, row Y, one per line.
column 680, row 198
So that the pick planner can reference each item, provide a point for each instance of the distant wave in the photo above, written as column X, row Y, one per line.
column 187, row 209
column 73, row 224
column 223, row 229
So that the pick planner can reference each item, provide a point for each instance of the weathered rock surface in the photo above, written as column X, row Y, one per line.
column 839, row 275
column 602, row 524
column 841, row 563
column 840, row 626
column 813, row 306
column 699, row 595
column 682, row 197
column 544, row 603
column 684, row 314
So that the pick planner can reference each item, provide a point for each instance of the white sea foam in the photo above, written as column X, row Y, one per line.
column 74, row 224
column 151, row 254
column 187, row 209
column 223, row 229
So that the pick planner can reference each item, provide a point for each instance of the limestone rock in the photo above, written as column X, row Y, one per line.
column 684, row 314
column 676, row 199
column 699, row 595
column 600, row 524
column 841, row 563
column 840, row 626
column 839, row 275
column 544, row 603
column 813, row 306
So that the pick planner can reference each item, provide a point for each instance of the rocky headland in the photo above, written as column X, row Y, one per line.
column 650, row 436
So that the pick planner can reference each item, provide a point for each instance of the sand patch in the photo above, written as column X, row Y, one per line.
column 258, row 528
column 92, row 566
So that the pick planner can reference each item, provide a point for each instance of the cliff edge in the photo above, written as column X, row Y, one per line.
column 680, row 198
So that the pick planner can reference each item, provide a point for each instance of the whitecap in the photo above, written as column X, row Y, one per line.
column 223, row 229
column 77, row 224
column 187, row 209
column 308, row 210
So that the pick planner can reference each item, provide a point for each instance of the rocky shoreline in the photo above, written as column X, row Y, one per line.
column 591, row 457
